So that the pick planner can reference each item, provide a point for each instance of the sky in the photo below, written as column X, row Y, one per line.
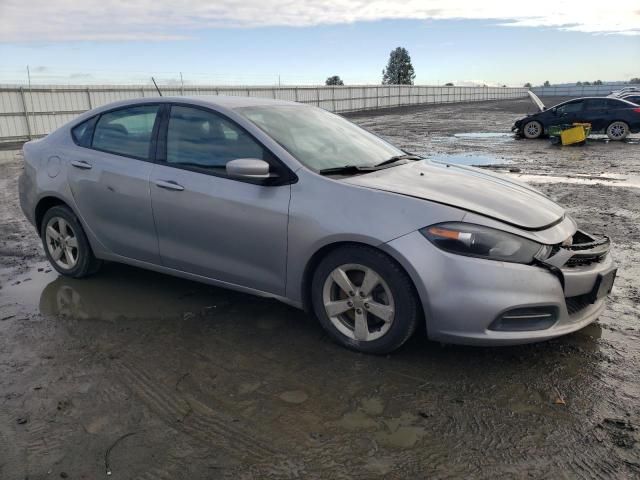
column 305, row 41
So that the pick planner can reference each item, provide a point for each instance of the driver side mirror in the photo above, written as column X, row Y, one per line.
column 554, row 110
column 251, row 168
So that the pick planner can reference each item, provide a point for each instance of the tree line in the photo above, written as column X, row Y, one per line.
column 399, row 70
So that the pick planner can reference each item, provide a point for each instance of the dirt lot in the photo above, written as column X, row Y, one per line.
column 152, row 377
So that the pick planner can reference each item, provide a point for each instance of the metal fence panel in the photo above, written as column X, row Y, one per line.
column 34, row 112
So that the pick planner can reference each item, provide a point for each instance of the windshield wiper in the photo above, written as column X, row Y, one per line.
column 397, row 158
column 353, row 169
column 347, row 169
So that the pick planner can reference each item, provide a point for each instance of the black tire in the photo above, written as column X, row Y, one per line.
column 408, row 311
column 617, row 131
column 86, row 263
column 532, row 129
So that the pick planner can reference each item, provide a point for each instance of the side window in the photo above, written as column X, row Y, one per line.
column 570, row 107
column 612, row 103
column 596, row 104
column 127, row 131
column 82, row 133
column 203, row 139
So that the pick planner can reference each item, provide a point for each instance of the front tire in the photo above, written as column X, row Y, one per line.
column 365, row 300
column 532, row 129
column 66, row 244
column 617, row 131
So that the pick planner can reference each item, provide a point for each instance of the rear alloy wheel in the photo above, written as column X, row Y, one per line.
column 617, row 131
column 66, row 244
column 365, row 300
column 532, row 129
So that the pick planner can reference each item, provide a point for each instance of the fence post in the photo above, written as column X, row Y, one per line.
column 318, row 97
column 296, row 93
column 89, row 99
column 333, row 98
column 26, row 113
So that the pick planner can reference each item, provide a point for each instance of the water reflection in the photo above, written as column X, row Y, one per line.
column 120, row 292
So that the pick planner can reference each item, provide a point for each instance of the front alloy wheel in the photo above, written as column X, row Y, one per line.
column 358, row 302
column 364, row 299
column 532, row 129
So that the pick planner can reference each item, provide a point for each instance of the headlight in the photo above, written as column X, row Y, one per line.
column 484, row 242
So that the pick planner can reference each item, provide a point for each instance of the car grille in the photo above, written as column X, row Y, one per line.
column 578, row 303
column 586, row 249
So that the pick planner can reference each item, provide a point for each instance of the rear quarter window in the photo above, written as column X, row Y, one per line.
column 83, row 132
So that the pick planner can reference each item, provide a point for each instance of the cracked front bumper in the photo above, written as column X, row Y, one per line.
column 462, row 296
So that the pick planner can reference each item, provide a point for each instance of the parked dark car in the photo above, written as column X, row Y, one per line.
column 633, row 98
column 614, row 116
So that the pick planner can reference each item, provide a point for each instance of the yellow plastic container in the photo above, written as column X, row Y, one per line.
column 573, row 135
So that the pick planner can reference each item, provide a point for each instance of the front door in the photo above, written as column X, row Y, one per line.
column 109, row 180
column 567, row 113
column 208, row 223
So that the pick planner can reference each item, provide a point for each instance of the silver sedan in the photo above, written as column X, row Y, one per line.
column 289, row 201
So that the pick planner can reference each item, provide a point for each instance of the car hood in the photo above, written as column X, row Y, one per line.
column 537, row 101
column 468, row 188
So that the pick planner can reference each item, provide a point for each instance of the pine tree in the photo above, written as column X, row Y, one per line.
column 399, row 70
column 335, row 80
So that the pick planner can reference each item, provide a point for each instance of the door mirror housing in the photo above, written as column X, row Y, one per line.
column 252, row 168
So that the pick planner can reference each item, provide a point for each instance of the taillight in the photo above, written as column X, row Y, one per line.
column 637, row 110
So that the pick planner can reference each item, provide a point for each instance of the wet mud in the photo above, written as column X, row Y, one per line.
column 152, row 377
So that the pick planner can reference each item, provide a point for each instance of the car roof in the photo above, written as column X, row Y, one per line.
column 232, row 101
column 221, row 101
column 592, row 98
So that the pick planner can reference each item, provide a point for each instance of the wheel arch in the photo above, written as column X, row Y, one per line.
column 43, row 205
column 323, row 251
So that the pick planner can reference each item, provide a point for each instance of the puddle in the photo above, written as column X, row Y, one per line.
column 117, row 292
column 483, row 135
column 468, row 159
column 611, row 180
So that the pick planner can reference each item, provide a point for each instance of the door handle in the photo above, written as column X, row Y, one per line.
column 169, row 185
column 81, row 164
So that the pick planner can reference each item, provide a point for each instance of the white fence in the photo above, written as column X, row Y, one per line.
column 578, row 90
column 33, row 112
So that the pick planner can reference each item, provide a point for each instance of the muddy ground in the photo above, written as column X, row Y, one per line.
column 151, row 377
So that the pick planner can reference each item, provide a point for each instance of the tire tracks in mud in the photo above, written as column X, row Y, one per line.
column 191, row 417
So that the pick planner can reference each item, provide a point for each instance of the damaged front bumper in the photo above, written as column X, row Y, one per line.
column 483, row 302
column 517, row 127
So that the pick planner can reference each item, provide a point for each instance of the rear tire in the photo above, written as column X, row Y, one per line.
column 617, row 131
column 66, row 244
column 365, row 300
column 532, row 129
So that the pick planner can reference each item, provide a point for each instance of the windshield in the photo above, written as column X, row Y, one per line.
column 319, row 139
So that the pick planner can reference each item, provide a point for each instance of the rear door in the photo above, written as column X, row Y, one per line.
column 595, row 112
column 208, row 223
column 109, row 179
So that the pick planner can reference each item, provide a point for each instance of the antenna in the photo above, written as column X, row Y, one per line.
column 156, row 85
